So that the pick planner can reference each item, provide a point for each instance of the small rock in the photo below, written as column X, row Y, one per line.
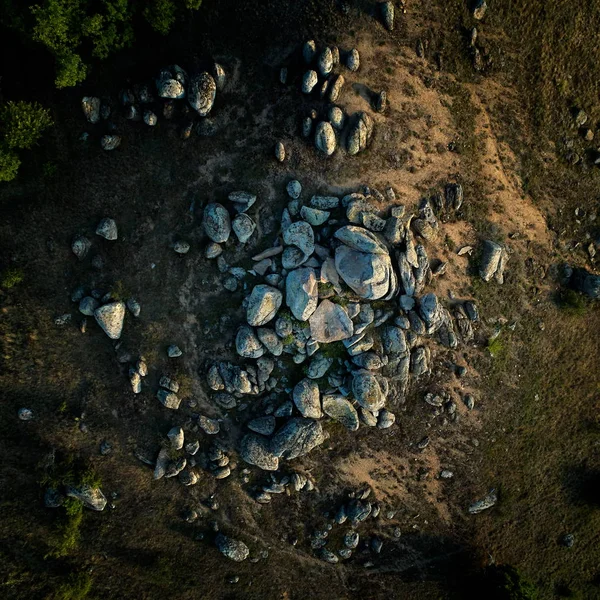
column 107, row 229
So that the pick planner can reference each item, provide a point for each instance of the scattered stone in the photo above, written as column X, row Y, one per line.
column 88, row 306
column 479, row 9
column 174, row 351
column 175, row 436
column 81, row 246
column 25, row 414
column 134, row 307
column 181, row 247
column 91, row 108
column 307, row 399
column 385, row 419
column 247, row 343
column 107, row 229
column 232, row 549
column 353, row 60
column 309, row 51
column 243, row 227
column 485, row 504
column 110, row 142
column 325, row 139
column 309, row 81
column 301, row 293
column 92, row 497
column 493, row 261
column 335, row 91
column 280, row 151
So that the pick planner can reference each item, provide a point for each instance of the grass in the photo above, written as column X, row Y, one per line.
column 11, row 278
column 77, row 587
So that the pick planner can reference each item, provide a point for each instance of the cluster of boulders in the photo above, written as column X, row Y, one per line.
column 333, row 125
column 356, row 510
column 108, row 310
column 139, row 103
column 333, row 259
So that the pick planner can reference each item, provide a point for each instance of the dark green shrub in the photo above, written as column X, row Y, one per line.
column 23, row 123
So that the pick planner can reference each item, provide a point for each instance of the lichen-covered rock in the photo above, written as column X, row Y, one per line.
column 493, row 261
column 325, row 62
column 387, row 14
column 367, row 391
column 263, row 304
column 297, row 438
column 353, row 60
column 217, row 223
column 256, row 450
column 307, row 398
column 171, row 83
column 92, row 497
column 341, row 410
column 243, row 227
column 91, row 108
column 369, row 275
column 309, row 81
column 107, row 228
column 81, row 246
column 110, row 317
column 325, row 139
column 110, row 142
column 330, row 323
column 247, row 343
column 202, row 93
column 168, row 399
column 302, row 292
column 232, row 549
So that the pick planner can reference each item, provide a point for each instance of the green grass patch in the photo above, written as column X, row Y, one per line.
column 77, row 587
column 11, row 278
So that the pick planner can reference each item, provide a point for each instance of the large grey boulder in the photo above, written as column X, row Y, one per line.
column 247, row 343
column 202, row 92
column 493, row 261
column 367, row 391
column 302, row 292
column 217, row 223
column 110, row 317
column 341, row 410
column 232, row 549
column 394, row 340
column 92, row 497
column 325, row 139
column 297, row 438
column 369, row 275
column 330, row 323
column 360, row 134
column 307, row 399
column 263, row 304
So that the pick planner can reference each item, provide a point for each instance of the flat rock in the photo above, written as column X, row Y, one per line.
column 110, row 317
column 168, row 399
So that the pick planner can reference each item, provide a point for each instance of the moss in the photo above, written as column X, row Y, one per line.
column 66, row 539
column 333, row 350
column 572, row 303
column 496, row 347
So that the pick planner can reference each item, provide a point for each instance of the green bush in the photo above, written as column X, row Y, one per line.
column 9, row 164
column 23, row 123
column 572, row 302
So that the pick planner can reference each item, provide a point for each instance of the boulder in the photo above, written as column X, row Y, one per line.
column 262, row 425
column 219, row 76
column 202, row 92
column 341, row 410
column 171, row 83
column 302, row 292
column 325, row 139
column 309, row 81
column 394, row 340
column 353, row 60
column 242, row 201
column 176, row 437
column 314, row 216
column 88, row 306
column 309, row 51
column 493, row 261
column 307, row 399
column 325, row 62
column 280, row 151
column 319, row 365
column 294, row 189
column 263, row 304
column 91, row 108
column 217, row 223
column 360, row 134
column 484, row 504
column 367, row 391
column 232, row 549
column 297, row 438
column 479, row 9
column 81, row 246
column 256, row 450
column 335, row 90
column 369, row 275
column 243, row 227
column 92, row 497
column 107, row 228
column 270, row 340
column 431, row 312
column 301, row 235
column 330, row 323
column 110, row 142
column 247, row 343
column 360, row 239
column 110, row 317
column 168, row 399
column 387, row 14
